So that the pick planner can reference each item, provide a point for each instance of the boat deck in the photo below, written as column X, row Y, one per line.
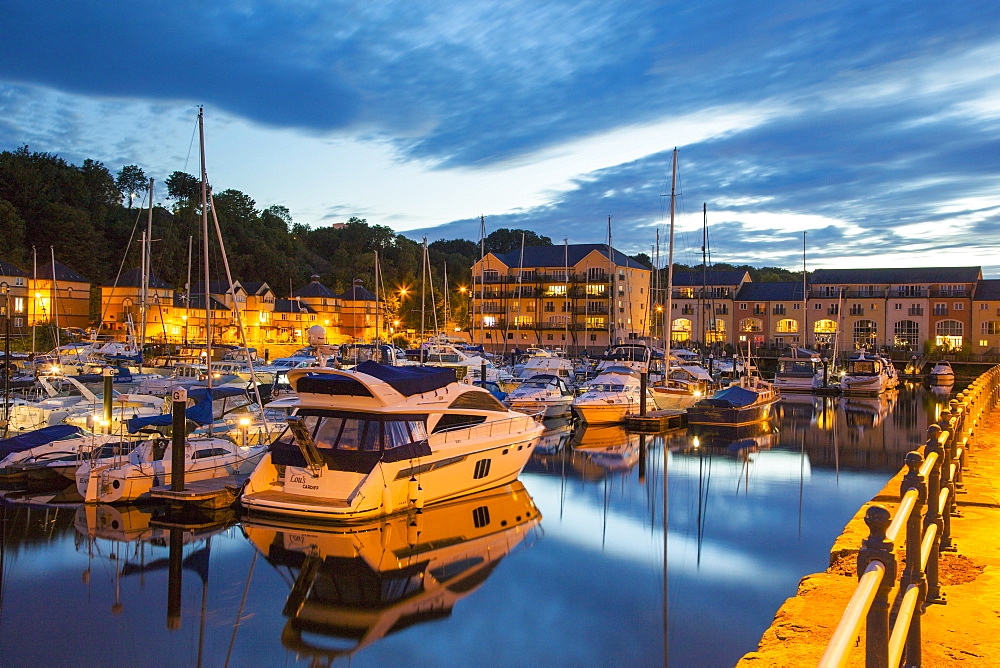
column 275, row 496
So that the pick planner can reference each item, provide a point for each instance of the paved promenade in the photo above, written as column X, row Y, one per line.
column 964, row 631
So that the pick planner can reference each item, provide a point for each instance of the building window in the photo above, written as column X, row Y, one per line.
column 865, row 333
column 948, row 334
column 958, row 306
column 760, row 309
column 825, row 327
column 19, row 304
column 989, row 328
column 983, row 342
column 906, row 334
column 489, row 321
column 796, row 307
column 898, row 307
column 940, row 309
column 857, row 309
column 751, row 325
column 19, row 281
column 491, row 275
column 984, row 306
column 787, row 326
column 779, row 309
column 743, row 307
column 596, row 289
column 556, row 290
column 682, row 329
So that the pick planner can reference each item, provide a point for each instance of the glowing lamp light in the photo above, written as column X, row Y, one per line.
column 244, row 422
column 696, row 442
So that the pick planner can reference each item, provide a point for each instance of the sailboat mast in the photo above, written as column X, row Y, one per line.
column 611, row 290
column 55, row 298
column 204, row 232
column 378, row 331
column 805, row 301
column 482, row 282
column 668, row 329
column 567, row 304
column 423, row 294
column 146, row 248
column 34, row 285
column 703, row 323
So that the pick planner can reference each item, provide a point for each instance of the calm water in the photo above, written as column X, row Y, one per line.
column 483, row 581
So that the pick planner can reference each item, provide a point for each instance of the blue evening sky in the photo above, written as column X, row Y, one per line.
column 873, row 126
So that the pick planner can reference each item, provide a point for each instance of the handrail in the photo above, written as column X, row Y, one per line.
column 854, row 615
column 926, row 506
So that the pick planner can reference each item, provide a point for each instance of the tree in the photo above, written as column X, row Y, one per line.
column 131, row 181
column 183, row 188
column 505, row 240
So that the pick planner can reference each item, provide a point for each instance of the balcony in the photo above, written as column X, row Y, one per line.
column 915, row 310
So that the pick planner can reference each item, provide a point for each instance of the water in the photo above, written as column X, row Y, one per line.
column 482, row 581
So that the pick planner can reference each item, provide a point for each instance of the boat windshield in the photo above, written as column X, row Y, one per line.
column 863, row 368
column 606, row 387
column 350, row 432
column 793, row 367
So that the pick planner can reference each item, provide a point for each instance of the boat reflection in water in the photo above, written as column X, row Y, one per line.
column 555, row 437
column 742, row 439
column 867, row 412
column 354, row 585
column 608, row 446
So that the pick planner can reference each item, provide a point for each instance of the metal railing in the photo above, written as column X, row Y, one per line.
column 892, row 634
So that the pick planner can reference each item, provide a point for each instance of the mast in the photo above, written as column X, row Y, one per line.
column 378, row 331
column 668, row 329
column 34, row 285
column 482, row 282
column 423, row 293
column 55, row 297
column 805, row 311
column 146, row 251
column 703, row 322
column 204, row 232
column 567, row 304
column 611, row 290
column 520, row 276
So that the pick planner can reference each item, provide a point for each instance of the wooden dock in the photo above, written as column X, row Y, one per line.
column 211, row 493
column 656, row 421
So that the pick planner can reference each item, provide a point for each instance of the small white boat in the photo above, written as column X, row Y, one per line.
column 150, row 463
column 686, row 386
column 547, row 363
column 610, row 396
column 942, row 374
column 798, row 371
column 544, row 393
column 867, row 374
column 379, row 440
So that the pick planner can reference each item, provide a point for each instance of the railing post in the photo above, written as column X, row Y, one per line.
column 933, row 514
column 948, row 421
column 912, row 573
column 877, row 548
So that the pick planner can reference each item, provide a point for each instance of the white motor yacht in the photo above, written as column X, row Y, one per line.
column 868, row 374
column 614, row 392
column 797, row 372
column 941, row 374
column 543, row 393
column 378, row 440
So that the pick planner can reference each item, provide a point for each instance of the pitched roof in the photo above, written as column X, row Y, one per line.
column 988, row 289
column 255, row 287
column 63, row 273
column 198, row 302
column 292, row 306
column 214, row 287
column 711, row 277
column 7, row 269
column 560, row 256
column 314, row 289
column 774, row 292
column 133, row 279
column 896, row 275
column 358, row 293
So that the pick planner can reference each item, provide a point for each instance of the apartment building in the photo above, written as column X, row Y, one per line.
column 578, row 297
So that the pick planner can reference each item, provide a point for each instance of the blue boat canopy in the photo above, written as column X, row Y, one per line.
column 732, row 397
column 409, row 380
column 201, row 412
column 33, row 439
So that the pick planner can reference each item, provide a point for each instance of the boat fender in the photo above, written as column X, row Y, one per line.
column 411, row 490
column 386, row 500
column 419, row 502
column 386, row 535
column 413, row 529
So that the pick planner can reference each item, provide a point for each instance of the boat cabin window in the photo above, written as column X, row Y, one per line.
column 797, row 366
column 863, row 368
column 606, row 387
column 478, row 400
column 209, row 452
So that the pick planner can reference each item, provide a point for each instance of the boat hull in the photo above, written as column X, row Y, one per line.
column 477, row 462
column 730, row 417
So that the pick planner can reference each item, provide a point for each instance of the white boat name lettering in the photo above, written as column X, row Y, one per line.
column 298, row 478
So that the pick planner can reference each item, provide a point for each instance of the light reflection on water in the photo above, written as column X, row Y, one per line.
column 478, row 581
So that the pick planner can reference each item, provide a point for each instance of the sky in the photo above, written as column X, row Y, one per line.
column 873, row 128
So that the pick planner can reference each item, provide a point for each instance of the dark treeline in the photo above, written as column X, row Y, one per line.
column 92, row 219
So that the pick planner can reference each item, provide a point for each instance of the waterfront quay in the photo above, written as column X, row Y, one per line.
column 961, row 627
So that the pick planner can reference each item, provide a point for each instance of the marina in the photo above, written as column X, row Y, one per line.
column 575, row 575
